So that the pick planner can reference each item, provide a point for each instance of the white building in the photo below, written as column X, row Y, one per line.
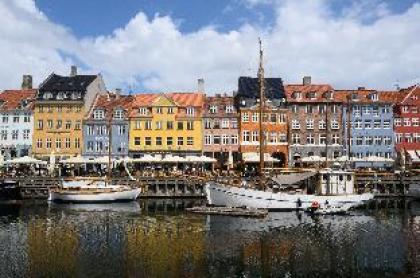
column 16, row 120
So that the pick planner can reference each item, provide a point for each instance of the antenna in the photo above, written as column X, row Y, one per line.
column 397, row 84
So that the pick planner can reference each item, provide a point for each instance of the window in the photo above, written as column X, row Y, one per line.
column 58, row 143
column 207, row 124
column 39, row 143
column 282, row 118
column 5, row 118
column 68, row 144
column 40, row 109
column 190, row 141
column 26, row 134
column 405, row 109
column 169, row 141
column 90, row 146
column 180, row 125
column 377, row 140
column 98, row 114
column 77, row 125
column 255, row 136
column 170, row 110
column 408, row 138
column 407, row 122
column 358, row 124
column 48, row 95
column 3, row 135
column 137, row 125
column 295, row 124
column 77, row 143
column 386, row 109
column 356, row 110
column 359, row 140
column 190, row 111
column 309, row 124
column 180, row 141
column 190, row 125
column 119, row 114
column 335, row 138
column 16, row 119
column 169, row 125
column 309, row 109
column 374, row 97
column 229, row 109
column 273, row 137
column 159, row 110
column 122, row 129
column 159, row 125
column 255, row 117
column 207, row 140
column 59, row 124
column 48, row 143
column 322, row 139
column 245, row 136
column 225, row 123
column 398, row 137
column 148, row 125
column 334, row 109
column 50, row 124
column 321, row 108
column 322, row 124
column 387, row 140
column 375, row 111
column 68, row 108
column 158, row 141
column 366, row 110
column 368, row 124
column 295, row 138
column 387, row 124
column 368, row 140
column 273, row 118
column 234, row 139
column 377, row 124
column 335, row 124
column 216, row 124
column 26, row 119
column 213, row 109
column 397, row 121
column 416, row 137
column 68, row 124
column 101, row 129
column 15, row 134
column 137, row 141
column 40, row 124
column 295, row 108
column 143, row 111
column 99, row 146
column 310, row 139
column 415, row 121
column 245, row 117
column 234, row 123
column 216, row 140
column 59, row 108
column 414, row 109
column 148, row 141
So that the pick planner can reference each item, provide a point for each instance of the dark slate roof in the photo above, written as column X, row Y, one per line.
column 248, row 88
column 67, row 83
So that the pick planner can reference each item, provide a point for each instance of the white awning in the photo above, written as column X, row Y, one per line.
column 414, row 155
column 173, row 159
column 255, row 157
column 74, row 160
column 25, row 160
column 147, row 159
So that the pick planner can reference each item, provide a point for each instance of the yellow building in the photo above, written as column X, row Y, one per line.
column 59, row 109
column 166, row 123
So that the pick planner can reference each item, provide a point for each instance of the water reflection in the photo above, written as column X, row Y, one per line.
column 158, row 239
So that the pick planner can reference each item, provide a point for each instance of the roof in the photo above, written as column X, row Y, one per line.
column 309, row 93
column 411, row 95
column 363, row 96
column 12, row 99
column 111, row 101
column 248, row 88
column 187, row 99
column 67, row 83
column 144, row 99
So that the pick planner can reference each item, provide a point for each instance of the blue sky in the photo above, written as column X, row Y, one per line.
column 167, row 45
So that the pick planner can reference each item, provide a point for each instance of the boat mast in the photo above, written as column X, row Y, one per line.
column 327, row 133
column 109, row 127
column 261, row 113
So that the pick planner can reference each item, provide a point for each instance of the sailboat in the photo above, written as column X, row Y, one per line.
column 88, row 190
column 335, row 186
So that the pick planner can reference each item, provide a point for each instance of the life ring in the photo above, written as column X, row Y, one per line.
column 315, row 204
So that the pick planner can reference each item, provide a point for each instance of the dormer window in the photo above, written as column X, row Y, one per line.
column 311, row 95
column 190, row 110
column 374, row 97
column 75, row 95
column 354, row 96
column 48, row 95
column 296, row 95
column 119, row 114
column 99, row 114
column 328, row 95
column 143, row 111
column 60, row 95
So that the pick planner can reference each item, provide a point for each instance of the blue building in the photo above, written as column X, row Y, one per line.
column 112, row 110
column 370, row 114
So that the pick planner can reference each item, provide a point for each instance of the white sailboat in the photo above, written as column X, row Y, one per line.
column 88, row 190
column 335, row 188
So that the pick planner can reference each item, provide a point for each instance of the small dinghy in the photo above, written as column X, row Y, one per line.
column 327, row 209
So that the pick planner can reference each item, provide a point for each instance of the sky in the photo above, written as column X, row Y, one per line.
column 162, row 46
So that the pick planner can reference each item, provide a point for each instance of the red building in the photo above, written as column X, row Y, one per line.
column 406, row 123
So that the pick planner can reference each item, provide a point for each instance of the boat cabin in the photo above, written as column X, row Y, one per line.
column 336, row 182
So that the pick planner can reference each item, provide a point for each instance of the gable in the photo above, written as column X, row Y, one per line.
column 163, row 100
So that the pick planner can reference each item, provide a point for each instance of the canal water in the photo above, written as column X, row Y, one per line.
column 159, row 239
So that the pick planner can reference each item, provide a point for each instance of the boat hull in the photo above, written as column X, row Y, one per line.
column 219, row 195
column 72, row 196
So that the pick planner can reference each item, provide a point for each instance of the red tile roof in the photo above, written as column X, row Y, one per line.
column 363, row 96
column 12, row 99
column 188, row 99
column 305, row 90
column 411, row 95
column 145, row 99
column 111, row 101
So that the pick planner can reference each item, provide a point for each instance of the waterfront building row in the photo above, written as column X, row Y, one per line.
column 71, row 115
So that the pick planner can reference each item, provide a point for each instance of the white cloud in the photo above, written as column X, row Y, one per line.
column 308, row 38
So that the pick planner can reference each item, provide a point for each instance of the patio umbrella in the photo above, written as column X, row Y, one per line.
column 25, row 160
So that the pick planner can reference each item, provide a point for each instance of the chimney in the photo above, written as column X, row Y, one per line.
column 360, row 88
column 73, row 71
column 306, row 80
column 200, row 85
column 26, row 82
